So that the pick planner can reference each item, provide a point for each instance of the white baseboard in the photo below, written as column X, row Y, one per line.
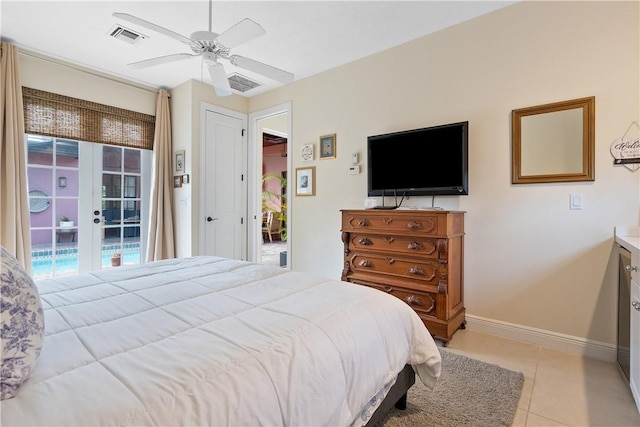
column 567, row 343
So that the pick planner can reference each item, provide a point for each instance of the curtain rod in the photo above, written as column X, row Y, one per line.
column 87, row 71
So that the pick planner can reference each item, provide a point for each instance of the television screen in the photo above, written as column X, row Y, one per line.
column 419, row 162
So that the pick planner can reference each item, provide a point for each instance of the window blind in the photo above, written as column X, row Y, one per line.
column 50, row 114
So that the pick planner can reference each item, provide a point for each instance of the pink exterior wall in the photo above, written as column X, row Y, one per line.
column 66, row 198
column 274, row 163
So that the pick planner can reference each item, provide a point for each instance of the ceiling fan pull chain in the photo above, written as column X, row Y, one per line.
column 210, row 14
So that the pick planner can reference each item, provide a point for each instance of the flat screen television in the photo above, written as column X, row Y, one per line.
column 421, row 162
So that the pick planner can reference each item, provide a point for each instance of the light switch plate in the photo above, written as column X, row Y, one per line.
column 575, row 201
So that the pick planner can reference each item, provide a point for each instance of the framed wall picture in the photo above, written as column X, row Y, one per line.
column 306, row 181
column 328, row 146
column 307, row 152
column 179, row 161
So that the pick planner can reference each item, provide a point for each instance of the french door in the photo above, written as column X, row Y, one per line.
column 88, row 205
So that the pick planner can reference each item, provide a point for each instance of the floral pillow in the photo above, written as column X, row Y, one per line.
column 21, row 326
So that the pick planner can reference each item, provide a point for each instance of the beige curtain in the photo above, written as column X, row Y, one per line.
column 14, row 202
column 160, row 244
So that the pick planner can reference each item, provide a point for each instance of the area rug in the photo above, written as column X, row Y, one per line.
column 468, row 393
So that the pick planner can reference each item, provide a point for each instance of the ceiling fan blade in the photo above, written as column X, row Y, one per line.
column 161, row 60
column 153, row 27
column 242, row 32
column 262, row 68
column 219, row 79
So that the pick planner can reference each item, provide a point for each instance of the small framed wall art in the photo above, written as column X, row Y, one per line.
column 328, row 146
column 306, row 181
column 179, row 161
column 177, row 181
column 307, row 152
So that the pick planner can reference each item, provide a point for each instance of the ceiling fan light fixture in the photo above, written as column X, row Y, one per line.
column 210, row 59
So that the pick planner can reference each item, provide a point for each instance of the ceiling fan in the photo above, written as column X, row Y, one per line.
column 211, row 47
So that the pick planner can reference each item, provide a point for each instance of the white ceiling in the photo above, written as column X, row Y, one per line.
column 302, row 37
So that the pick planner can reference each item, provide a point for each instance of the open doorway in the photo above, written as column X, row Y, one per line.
column 272, row 147
column 274, row 191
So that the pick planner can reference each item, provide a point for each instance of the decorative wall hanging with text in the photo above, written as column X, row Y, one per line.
column 626, row 149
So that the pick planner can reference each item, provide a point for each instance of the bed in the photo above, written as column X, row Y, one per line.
column 213, row 341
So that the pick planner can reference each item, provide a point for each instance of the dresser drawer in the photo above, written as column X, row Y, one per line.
column 426, row 225
column 424, row 303
column 420, row 271
column 419, row 246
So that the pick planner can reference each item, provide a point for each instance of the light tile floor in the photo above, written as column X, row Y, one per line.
column 271, row 252
column 560, row 389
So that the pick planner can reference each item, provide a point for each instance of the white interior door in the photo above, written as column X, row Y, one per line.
column 224, row 186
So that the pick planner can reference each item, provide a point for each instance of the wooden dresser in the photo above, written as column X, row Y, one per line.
column 415, row 255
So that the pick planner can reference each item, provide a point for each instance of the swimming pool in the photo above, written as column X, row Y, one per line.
column 66, row 262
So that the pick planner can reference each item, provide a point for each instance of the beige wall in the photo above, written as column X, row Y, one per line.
column 70, row 80
column 529, row 260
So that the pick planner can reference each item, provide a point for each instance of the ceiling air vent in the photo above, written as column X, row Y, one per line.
column 242, row 83
column 126, row 35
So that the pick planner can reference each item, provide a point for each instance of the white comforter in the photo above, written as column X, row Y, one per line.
column 211, row 341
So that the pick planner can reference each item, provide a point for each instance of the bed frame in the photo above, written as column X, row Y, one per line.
column 397, row 396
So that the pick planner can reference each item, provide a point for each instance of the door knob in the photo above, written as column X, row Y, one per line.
column 636, row 305
column 96, row 212
column 209, row 219
column 96, row 220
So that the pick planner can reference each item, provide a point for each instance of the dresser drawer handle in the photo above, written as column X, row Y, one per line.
column 389, row 239
column 417, row 270
column 365, row 263
column 414, row 225
column 388, row 289
column 365, row 241
column 415, row 246
column 414, row 300
column 363, row 223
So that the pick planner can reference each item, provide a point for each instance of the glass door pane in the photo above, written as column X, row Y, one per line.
column 121, row 206
column 53, row 178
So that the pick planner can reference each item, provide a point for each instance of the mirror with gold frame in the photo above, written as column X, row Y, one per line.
column 554, row 142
